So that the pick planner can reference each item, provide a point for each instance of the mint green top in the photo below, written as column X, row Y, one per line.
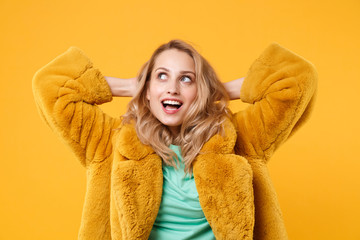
column 180, row 215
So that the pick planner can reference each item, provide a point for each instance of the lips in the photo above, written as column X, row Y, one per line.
column 171, row 105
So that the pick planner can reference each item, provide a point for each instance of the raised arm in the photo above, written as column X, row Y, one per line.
column 280, row 88
column 67, row 92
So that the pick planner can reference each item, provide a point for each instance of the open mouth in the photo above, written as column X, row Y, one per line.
column 171, row 104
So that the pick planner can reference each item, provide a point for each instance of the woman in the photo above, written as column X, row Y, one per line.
column 177, row 123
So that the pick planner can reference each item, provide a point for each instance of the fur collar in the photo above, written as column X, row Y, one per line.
column 130, row 146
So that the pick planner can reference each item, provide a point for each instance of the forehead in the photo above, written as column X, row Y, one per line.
column 174, row 60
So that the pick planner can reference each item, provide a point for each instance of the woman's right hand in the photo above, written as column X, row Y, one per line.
column 122, row 87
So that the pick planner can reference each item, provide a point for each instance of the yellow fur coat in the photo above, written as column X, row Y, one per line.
column 124, row 177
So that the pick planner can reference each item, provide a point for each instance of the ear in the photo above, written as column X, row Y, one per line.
column 147, row 92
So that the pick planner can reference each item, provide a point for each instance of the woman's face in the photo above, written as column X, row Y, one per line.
column 172, row 88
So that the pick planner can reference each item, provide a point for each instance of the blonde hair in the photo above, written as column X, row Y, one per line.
column 203, row 120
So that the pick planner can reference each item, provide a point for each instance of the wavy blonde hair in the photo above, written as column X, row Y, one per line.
column 203, row 120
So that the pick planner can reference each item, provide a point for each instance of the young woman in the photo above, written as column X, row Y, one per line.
column 178, row 164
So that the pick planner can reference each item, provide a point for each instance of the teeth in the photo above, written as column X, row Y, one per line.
column 171, row 102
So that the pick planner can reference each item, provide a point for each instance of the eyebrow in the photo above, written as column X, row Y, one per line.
column 167, row 70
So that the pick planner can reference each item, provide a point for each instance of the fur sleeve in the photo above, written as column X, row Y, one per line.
column 280, row 88
column 66, row 92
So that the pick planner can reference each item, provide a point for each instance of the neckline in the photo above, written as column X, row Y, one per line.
column 174, row 147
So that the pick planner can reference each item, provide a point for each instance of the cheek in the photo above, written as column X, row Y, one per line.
column 151, row 93
column 154, row 91
column 152, row 96
column 191, row 95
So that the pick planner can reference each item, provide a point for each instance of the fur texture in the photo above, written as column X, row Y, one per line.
column 124, row 177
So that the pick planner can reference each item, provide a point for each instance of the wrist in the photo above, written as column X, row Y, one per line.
column 122, row 87
column 233, row 88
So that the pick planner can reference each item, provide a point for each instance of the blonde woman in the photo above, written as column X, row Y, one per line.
column 178, row 164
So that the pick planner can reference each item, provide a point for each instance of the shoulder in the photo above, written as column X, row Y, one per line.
column 129, row 145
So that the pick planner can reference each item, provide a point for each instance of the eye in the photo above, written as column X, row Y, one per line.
column 162, row 76
column 186, row 79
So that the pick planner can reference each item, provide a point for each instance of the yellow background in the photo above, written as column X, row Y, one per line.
column 316, row 173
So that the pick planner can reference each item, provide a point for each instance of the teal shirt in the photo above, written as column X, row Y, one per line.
column 180, row 215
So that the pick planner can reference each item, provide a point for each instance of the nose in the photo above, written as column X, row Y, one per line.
column 173, row 87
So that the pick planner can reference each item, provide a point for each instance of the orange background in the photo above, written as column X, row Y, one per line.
column 316, row 173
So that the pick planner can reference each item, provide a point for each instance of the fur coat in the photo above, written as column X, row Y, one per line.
column 124, row 177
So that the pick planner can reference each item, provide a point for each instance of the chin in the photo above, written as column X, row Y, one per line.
column 172, row 125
